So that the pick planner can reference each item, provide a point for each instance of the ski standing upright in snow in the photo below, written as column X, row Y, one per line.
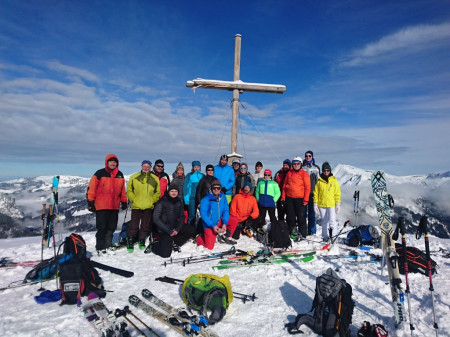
column 384, row 216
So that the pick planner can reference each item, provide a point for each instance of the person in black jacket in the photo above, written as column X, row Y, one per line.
column 204, row 184
column 168, row 216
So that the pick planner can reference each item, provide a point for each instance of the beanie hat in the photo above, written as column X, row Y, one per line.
column 180, row 166
column 216, row 183
column 326, row 166
column 268, row 172
column 236, row 161
column 209, row 166
column 310, row 152
column 146, row 162
column 287, row 161
column 224, row 157
column 196, row 163
column 258, row 163
column 247, row 183
column 159, row 162
column 173, row 186
column 297, row 160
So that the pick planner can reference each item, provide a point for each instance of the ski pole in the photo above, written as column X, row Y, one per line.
column 230, row 251
column 52, row 232
column 356, row 207
column 422, row 229
column 43, row 239
column 401, row 225
column 122, row 313
column 334, row 238
column 128, row 311
column 178, row 281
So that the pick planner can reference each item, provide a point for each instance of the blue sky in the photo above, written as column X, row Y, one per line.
column 368, row 83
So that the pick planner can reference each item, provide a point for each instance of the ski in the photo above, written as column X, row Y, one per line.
column 181, row 314
column 265, row 262
column 6, row 262
column 95, row 320
column 171, row 321
column 114, row 270
column 190, row 259
column 382, row 201
column 255, row 258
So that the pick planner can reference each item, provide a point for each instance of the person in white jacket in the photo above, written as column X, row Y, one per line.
column 327, row 201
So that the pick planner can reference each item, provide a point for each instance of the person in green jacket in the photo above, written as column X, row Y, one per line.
column 267, row 194
column 143, row 192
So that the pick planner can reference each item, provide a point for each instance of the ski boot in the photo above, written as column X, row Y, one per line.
column 130, row 245
column 142, row 244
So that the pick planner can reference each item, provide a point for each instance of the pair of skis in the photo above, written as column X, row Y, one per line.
column 179, row 320
column 101, row 319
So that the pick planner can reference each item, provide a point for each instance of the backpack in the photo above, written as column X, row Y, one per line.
column 75, row 245
column 279, row 235
column 332, row 305
column 375, row 330
column 209, row 294
column 77, row 276
column 417, row 260
column 47, row 269
column 363, row 235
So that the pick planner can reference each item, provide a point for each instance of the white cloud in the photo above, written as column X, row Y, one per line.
column 72, row 71
column 409, row 40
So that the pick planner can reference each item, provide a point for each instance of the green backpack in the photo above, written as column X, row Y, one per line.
column 209, row 294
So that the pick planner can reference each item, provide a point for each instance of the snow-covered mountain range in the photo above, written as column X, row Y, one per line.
column 21, row 201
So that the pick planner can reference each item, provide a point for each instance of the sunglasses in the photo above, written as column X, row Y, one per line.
column 326, row 170
column 209, row 170
column 215, row 188
column 243, row 168
column 308, row 155
column 267, row 175
column 162, row 166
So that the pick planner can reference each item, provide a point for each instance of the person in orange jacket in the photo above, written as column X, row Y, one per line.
column 296, row 191
column 244, row 210
column 106, row 194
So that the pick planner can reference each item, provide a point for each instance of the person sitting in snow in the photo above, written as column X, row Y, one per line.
column 243, row 211
column 168, row 217
column 215, row 213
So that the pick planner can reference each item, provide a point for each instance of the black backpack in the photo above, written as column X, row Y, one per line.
column 417, row 260
column 279, row 235
column 332, row 305
column 77, row 276
column 75, row 245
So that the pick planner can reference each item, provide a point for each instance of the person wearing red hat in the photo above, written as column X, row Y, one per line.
column 106, row 194
column 267, row 194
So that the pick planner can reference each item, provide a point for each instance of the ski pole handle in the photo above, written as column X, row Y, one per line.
column 43, row 211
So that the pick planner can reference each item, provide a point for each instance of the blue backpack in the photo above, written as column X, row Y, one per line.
column 363, row 235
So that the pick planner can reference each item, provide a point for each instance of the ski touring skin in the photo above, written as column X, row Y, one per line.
column 384, row 216
column 181, row 314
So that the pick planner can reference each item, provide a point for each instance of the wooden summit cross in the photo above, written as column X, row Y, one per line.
column 238, row 87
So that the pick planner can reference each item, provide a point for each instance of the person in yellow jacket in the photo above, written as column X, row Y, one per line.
column 143, row 192
column 327, row 201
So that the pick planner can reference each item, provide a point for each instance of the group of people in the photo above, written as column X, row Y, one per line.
column 217, row 205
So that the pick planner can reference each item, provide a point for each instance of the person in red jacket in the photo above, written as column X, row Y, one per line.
column 279, row 178
column 244, row 211
column 106, row 194
column 296, row 191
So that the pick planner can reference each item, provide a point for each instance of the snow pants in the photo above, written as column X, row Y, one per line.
column 163, row 247
column 208, row 238
column 310, row 215
column 329, row 221
column 142, row 217
column 105, row 223
column 295, row 215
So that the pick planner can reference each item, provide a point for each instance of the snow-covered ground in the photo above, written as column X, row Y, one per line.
column 282, row 290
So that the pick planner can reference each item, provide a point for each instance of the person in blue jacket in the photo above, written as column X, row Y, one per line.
column 215, row 213
column 190, row 188
column 225, row 174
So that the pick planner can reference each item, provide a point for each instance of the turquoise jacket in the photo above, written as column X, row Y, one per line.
column 190, row 186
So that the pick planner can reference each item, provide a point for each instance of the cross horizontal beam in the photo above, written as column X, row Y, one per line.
column 239, row 85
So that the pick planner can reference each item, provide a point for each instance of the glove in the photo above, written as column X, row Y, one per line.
column 316, row 209
column 124, row 205
column 91, row 206
column 338, row 208
column 224, row 190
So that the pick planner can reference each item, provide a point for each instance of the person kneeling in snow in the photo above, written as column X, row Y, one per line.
column 215, row 213
column 168, row 217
